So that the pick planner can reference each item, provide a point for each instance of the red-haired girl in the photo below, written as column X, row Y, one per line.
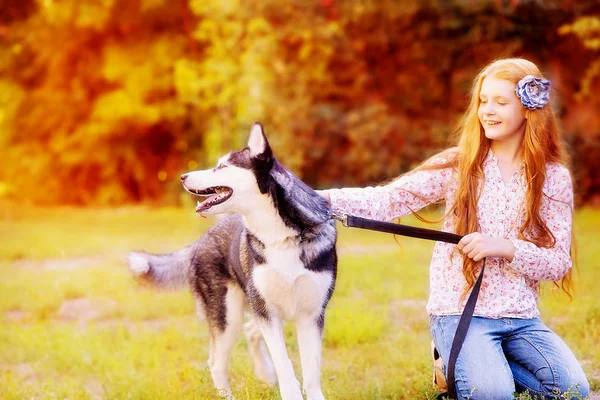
column 508, row 189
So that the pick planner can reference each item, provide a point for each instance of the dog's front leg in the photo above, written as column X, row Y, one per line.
column 309, row 334
column 272, row 332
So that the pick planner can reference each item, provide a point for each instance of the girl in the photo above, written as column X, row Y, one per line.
column 508, row 190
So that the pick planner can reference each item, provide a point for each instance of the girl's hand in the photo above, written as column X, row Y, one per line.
column 478, row 246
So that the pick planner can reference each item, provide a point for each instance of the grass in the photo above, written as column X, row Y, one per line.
column 76, row 325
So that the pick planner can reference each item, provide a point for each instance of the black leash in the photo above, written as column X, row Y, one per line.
column 428, row 234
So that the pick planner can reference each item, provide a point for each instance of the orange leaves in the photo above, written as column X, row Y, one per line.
column 117, row 98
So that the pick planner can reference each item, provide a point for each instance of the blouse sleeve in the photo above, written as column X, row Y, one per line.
column 384, row 203
column 550, row 263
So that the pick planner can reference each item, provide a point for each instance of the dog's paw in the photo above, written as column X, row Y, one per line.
column 138, row 263
column 314, row 394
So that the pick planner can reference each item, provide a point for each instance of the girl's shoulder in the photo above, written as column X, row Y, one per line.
column 447, row 157
column 449, row 154
column 557, row 172
column 558, row 182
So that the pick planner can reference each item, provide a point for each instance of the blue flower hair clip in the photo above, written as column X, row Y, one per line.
column 533, row 92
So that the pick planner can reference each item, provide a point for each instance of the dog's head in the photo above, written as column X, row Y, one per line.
column 239, row 175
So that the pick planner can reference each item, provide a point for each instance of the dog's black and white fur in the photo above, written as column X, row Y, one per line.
column 275, row 256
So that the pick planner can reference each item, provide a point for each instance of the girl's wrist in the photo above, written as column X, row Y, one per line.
column 509, row 250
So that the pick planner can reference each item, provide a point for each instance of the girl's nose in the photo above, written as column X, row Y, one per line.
column 488, row 110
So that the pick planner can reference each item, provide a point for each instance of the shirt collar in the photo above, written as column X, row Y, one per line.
column 491, row 159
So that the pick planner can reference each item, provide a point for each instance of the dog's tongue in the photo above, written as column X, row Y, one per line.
column 200, row 208
column 205, row 204
column 211, row 200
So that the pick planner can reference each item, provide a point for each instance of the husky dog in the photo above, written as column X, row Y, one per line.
column 275, row 257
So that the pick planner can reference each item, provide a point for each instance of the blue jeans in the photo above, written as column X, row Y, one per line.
column 502, row 356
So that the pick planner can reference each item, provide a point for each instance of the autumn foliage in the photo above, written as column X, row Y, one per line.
column 108, row 102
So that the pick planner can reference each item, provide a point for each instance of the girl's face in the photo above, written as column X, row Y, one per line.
column 500, row 111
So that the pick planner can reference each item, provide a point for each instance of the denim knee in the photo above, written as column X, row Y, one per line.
column 563, row 383
column 576, row 387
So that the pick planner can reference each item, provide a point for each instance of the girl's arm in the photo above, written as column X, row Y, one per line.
column 525, row 257
column 550, row 264
column 409, row 193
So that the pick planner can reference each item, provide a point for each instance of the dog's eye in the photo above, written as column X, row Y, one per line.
column 220, row 166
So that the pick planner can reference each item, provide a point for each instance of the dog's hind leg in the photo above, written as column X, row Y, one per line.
column 263, row 365
column 222, row 340
column 309, row 333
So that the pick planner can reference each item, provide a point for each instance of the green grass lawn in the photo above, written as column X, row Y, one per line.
column 76, row 325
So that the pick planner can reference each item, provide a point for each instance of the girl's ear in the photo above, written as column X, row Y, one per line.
column 257, row 143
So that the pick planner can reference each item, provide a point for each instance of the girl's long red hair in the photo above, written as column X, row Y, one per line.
column 541, row 145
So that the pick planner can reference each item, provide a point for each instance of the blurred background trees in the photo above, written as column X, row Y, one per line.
column 107, row 102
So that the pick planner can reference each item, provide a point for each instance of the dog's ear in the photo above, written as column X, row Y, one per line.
column 257, row 143
column 261, row 157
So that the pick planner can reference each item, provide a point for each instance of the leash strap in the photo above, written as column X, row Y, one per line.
column 428, row 234
column 404, row 230
column 461, row 333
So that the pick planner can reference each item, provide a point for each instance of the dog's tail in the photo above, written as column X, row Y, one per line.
column 163, row 270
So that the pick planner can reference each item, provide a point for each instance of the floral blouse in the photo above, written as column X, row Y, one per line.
column 508, row 288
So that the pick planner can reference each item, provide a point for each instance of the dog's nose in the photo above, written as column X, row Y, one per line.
column 183, row 177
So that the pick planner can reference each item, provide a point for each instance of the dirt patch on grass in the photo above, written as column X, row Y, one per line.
column 406, row 312
column 23, row 371
column 63, row 264
column 130, row 325
column 84, row 309
column 16, row 316
column 29, row 376
column 94, row 389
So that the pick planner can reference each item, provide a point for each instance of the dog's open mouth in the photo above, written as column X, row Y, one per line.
column 211, row 197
